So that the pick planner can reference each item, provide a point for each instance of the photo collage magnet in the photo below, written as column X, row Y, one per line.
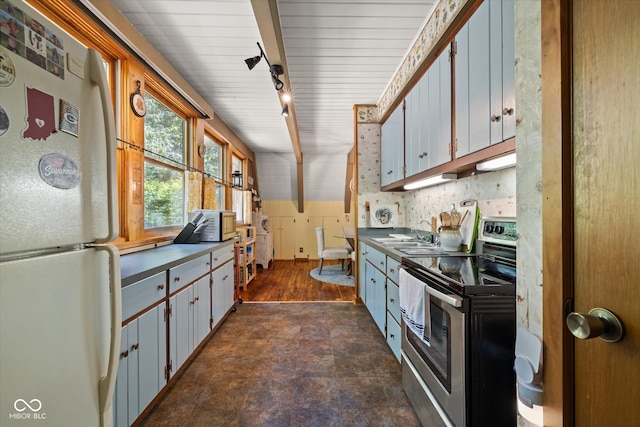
column 28, row 37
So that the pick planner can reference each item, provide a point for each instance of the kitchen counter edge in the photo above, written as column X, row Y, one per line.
column 140, row 265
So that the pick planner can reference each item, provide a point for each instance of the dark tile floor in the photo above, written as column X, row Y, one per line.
column 290, row 364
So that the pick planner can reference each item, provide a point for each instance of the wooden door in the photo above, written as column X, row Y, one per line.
column 606, row 161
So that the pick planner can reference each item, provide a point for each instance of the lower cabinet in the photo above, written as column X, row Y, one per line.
column 141, row 371
column 189, row 321
column 379, row 291
column 168, row 315
column 375, row 295
column 393, row 315
column 221, row 292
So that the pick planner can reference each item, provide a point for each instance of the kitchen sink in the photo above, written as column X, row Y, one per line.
column 390, row 240
column 409, row 245
column 433, row 251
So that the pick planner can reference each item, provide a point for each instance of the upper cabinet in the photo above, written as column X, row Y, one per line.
column 392, row 147
column 428, row 118
column 485, row 78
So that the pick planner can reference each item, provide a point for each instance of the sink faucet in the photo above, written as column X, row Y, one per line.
column 420, row 236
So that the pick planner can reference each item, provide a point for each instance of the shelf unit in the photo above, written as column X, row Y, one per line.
column 246, row 251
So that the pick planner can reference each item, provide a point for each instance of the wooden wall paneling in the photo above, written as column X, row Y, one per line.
column 133, row 132
column 557, row 210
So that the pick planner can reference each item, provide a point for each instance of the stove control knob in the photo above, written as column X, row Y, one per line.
column 499, row 229
column 488, row 228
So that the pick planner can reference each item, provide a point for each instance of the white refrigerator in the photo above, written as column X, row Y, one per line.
column 60, row 296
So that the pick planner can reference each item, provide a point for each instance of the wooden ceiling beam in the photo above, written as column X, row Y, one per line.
column 268, row 20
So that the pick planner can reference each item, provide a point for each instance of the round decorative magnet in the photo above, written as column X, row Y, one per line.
column 59, row 171
column 137, row 102
column 4, row 121
column 7, row 70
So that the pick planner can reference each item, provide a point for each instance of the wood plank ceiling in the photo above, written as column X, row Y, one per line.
column 336, row 54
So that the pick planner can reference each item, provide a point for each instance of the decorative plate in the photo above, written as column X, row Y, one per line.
column 137, row 102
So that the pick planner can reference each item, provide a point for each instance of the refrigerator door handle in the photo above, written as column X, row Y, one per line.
column 98, row 77
column 107, row 383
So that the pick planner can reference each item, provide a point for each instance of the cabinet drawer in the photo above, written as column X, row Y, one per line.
column 393, row 269
column 377, row 258
column 393, row 300
column 394, row 338
column 220, row 256
column 140, row 295
column 188, row 272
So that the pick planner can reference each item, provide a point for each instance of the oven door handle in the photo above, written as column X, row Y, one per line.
column 452, row 300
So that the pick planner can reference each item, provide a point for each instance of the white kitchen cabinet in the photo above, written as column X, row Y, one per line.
column 393, row 306
column 376, row 295
column 428, row 118
column 202, row 310
column 141, row 371
column 186, row 273
column 189, row 321
column 180, row 328
column 222, row 292
column 264, row 249
column 485, row 78
column 394, row 337
column 392, row 147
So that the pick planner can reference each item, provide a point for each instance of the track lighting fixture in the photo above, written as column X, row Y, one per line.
column 285, row 110
column 274, row 70
column 253, row 61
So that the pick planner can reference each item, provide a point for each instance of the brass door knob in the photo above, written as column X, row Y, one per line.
column 600, row 323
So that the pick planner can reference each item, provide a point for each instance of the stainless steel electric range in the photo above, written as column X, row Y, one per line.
column 462, row 375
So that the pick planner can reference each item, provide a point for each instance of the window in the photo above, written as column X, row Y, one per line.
column 214, row 166
column 164, row 143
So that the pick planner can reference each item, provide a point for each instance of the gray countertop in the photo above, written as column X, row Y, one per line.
column 366, row 235
column 139, row 265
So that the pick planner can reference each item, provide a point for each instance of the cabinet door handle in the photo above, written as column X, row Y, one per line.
column 225, row 277
column 124, row 354
column 176, row 279
column 392, row 270
column 197, row 298
column 192, row 302
column 422, row 155
column 160, row 287
column 215, row 259
column 392, row 336
column 135, row 346
column 391, row 300
column 507, row 112
column 495, row 118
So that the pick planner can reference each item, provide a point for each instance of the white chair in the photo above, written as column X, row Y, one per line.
column 328, row 253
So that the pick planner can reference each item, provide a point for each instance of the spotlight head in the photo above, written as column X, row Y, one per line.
column 277, row 83
column 285, row 110
column 253, row 61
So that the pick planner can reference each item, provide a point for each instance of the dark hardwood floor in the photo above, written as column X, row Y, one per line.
column 289, row 280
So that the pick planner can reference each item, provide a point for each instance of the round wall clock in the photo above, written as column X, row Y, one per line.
column 137, row 102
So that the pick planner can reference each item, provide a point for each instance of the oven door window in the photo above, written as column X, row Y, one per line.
column 438, row 355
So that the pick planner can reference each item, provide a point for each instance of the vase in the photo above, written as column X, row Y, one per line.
column 450, row 238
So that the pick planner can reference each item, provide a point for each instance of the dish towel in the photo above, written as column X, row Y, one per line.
column 413, row 309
